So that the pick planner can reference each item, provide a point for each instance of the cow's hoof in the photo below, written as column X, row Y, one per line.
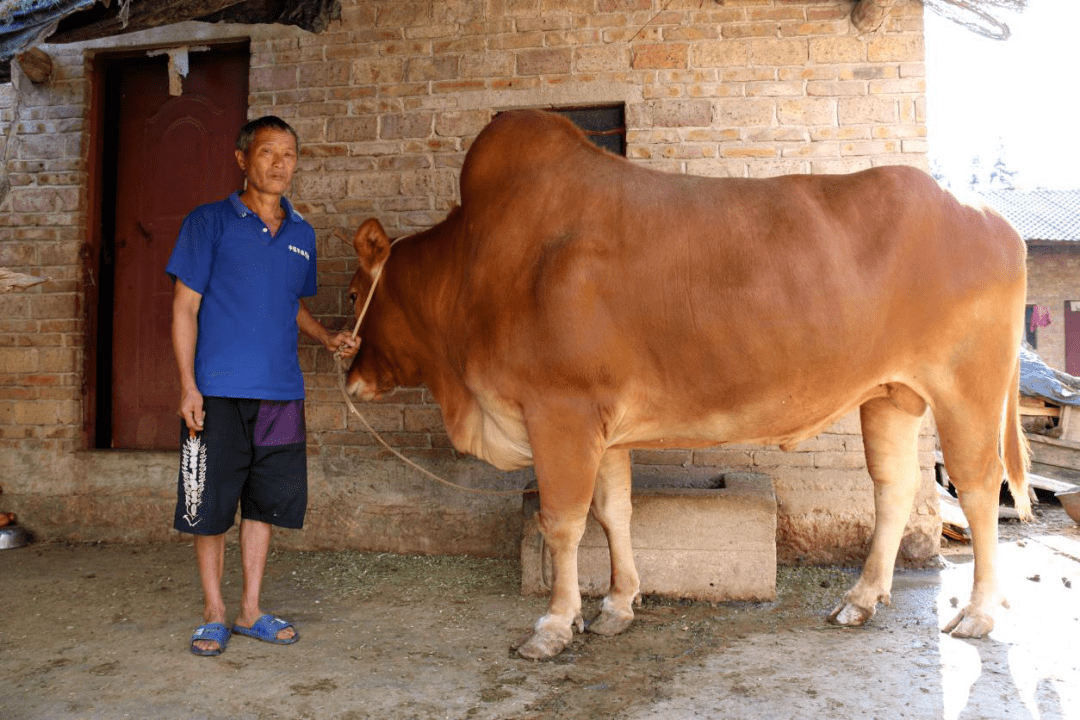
column 543, row 645
column 970, row 624
column 849, row 615
column 610, row 623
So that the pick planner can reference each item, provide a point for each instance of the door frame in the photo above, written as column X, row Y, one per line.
column 1070, row 330
column 97, row 280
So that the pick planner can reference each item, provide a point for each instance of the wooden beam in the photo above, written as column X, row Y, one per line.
column 868, row 15
column 143, row 15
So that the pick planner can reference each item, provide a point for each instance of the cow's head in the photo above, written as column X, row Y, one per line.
column 383, row 361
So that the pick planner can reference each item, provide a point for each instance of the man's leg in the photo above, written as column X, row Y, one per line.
column 254, row 547
column 210, row 554
column 275, row 494
column 208, row 491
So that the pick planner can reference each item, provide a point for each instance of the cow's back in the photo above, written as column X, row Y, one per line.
column 669, row 295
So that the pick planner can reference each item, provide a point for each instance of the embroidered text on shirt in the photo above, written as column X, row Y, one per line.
column 298, row 251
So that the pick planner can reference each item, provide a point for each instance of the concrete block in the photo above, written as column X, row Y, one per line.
column 704, row 543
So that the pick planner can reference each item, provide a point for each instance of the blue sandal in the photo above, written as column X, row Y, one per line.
column 266, row 628
column 213, row 632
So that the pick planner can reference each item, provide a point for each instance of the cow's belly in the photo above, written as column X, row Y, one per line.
column 719, row 429
column 785, row 422
column 495, row 431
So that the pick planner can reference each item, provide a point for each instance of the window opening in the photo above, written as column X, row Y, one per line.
column 605, row 125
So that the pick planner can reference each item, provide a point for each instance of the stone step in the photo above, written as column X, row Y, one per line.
column 699, row 543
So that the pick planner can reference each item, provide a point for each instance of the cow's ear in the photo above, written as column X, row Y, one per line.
column 372, row 245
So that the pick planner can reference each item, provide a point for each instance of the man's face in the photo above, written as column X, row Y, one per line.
column 270, row 161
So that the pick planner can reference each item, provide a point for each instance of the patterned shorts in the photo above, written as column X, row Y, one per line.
column 251, row 453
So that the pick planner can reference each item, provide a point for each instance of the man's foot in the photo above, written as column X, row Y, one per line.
column 210, row 639
column 269, row 629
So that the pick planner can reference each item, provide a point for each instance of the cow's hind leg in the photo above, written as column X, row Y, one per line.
column 976, row 470
column 891, row 440
column 611, row 507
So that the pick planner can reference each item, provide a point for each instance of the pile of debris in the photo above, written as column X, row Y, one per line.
column 1049, row 398
column 1050, row 414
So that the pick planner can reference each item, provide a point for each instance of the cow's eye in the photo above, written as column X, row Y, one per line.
column 352, row 298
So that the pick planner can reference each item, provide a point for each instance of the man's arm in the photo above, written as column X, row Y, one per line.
column 185, row 332
column 315, row 330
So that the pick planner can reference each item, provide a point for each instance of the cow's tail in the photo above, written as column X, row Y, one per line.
column 1016, row 449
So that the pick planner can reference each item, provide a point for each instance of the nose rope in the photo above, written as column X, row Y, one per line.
column 371, row 294
column 343, row 368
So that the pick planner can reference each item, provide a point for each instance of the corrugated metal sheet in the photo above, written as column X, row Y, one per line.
column 1049, row 215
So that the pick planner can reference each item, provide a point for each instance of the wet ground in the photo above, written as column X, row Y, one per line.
column 101, row 631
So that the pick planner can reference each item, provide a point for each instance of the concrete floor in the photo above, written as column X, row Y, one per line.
column 101, row 631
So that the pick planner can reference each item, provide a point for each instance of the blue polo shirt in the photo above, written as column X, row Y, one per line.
column 251, row 284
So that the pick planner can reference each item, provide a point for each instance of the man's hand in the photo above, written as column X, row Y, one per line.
column 342, row 344
column 191, row 409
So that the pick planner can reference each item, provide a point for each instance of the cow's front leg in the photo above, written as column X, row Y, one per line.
column 566, row 451
column 612, row 508
column 555, row 629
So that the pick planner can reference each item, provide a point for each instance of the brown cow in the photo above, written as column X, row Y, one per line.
column 576, row 306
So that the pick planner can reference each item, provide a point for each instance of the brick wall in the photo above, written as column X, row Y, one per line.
column 42, row 222
column 1052, row 281
column 386, row 102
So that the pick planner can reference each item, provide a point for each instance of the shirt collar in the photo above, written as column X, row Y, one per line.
column 243, row 210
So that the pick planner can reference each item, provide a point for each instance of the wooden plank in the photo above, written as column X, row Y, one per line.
column 1035, row 480
column 1050, row 484
column 1007, row 513
column 1056, row 473
column 1054, row 442
column 1051, row 451
column 1038, row 407
column 950, row 511
column 1044, row 411
column 1070, row 423
column 953, row 516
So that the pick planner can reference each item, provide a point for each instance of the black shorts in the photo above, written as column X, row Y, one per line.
column 250, row 452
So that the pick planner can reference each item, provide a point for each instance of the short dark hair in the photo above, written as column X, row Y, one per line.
column 266, row 122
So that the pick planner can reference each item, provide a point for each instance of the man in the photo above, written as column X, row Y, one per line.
column 240, row 268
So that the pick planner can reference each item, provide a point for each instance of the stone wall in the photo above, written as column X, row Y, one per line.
column 387, row 102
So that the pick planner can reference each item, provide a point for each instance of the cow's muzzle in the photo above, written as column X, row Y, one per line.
column 358, row 388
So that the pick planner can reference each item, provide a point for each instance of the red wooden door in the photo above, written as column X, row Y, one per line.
column 1072, row 337
column 173, row 153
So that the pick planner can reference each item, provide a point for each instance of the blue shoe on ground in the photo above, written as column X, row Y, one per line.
column 266, row 628
column 213, row 632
